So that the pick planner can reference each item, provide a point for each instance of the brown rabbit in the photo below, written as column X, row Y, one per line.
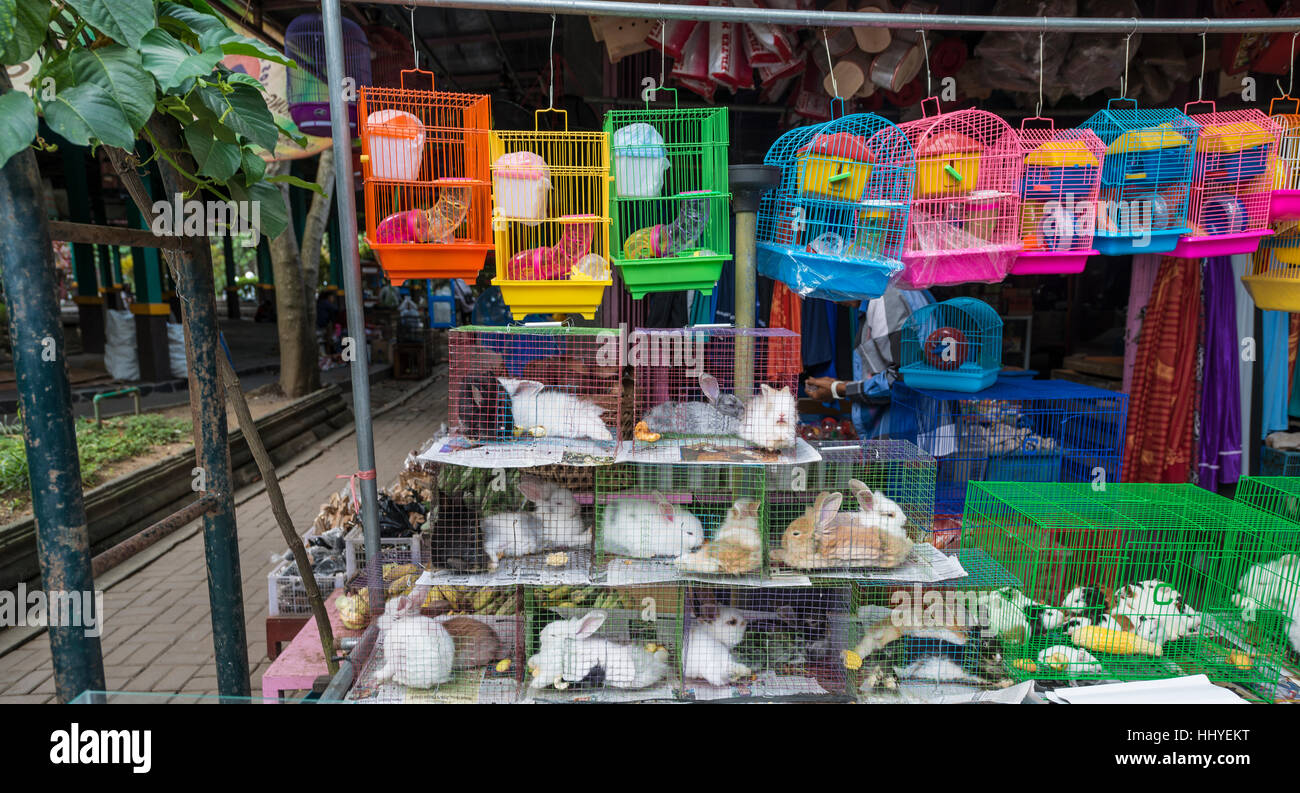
column 822, row 537
column 735, row 549
column 477, row 643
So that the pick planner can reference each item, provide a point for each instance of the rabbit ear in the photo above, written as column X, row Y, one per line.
column 828, row 506
column 863, row 494
column 590, row 623
column 666, row 509
column 709, row 385
column 767, row 389
column 476, row 395
column 533, row 489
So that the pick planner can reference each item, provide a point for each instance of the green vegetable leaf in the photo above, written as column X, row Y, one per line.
column 117, row 70
column 296, row 182
column 17, row 124
column 254, row 166
column 85, row 113
column 243, row 110
column 216, row 159
column 124, row 21
column 173, row 62
column 27, row 31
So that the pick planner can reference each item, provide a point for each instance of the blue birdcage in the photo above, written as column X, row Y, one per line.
column 955, row 345
column 1146, row 178
column 1017, row 430
column 834, row 227
column 307, row 87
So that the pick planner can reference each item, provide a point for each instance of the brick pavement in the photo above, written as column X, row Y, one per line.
column 157, row 627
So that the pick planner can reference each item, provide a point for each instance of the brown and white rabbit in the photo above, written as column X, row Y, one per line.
column 735, row 549
column 769, row 419
column 824, row 537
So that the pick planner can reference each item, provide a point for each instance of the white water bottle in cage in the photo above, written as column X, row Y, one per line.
column 659, row 241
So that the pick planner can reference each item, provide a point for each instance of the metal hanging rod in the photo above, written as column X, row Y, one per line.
column 843, row 19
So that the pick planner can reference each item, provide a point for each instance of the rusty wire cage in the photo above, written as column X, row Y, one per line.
column 1058, row 211
column 425, row 166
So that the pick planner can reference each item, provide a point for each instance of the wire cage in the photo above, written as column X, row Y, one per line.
column 1278, row 462
column 603, row 644
column 666, row 522
column 1232, row 184
column 1140, row 581
column 443, row 644
column 1017, row 430
column 955, row 345
column 1146, row 178
column 863, row 507
column 833, row 228
column 1274, row 277
column 705, row 389
column 307, row 87
column 550, row 193
column 390, row 55
column 965, row 222
column 670, row 197
column 780, row 643
column 1284, row 111
column 425, row 168
column 527, row 395
column 1275, row 494
column 1058, row 209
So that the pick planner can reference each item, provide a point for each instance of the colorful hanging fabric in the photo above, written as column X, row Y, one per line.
column 1273, row 354
column 1220, row 405
column 1141, row 281
column 787, row 312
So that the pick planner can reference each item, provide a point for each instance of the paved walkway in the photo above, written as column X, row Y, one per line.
column 158, row 630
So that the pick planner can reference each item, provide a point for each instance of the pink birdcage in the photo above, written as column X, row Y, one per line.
column 1058, row 209
column 1232, row 184
column 965, row 223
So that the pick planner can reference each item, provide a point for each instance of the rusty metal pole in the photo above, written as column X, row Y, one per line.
column 62, row 541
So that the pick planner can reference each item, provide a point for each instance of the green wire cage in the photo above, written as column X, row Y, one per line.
column 669, row 198
column 1141, row 581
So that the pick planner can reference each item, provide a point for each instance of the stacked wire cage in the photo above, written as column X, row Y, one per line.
column 603, row 644
column 1017, row 430
column 550, row 192
column 529, row 395
column 834, row 226
column 1284, row 111
column 1146, row 178
column 955, row 345
column 307, row 86
column 965, row 217
column 425, row 167
column 670, row 197
column 1140, row 581
column 862, row 508
column 765, row 643
column 1058, row 210
column 665, row 522
column 1233, row 182
column 703, row 393
column 1274, row 277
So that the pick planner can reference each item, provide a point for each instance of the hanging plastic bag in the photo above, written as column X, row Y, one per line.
column 670, row 37
column 727, row 64
column 120, row 357
column 1011, row 58
column 176, row 350
column 692, row 69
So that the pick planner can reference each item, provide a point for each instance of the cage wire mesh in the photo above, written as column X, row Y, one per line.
column 1058, row 210
column 1145, row 178
column 1138, row 581
column 425, row 171
column 1276, row 495
column 1017, row 430
column 955, row 345
column 662, row 522
column 707, row 389
column 765, row 642
column 862, row 507
column 1274, row 277
column 833, row 228
column 307, row 86
column 965, row 221
column 603, row 644
column 445, row 644
column 525, row 395
column 550, row 192
column 670, row 209
column 1232, row 183
column 1284, row 111
column 1278, row 462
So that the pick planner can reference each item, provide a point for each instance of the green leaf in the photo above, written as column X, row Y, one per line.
column 28, row 31
column 274, row 212
column 124, row 21
column 17, row 124
column 205, row 116
column 243, row 110
column 173, row 62
column 296, row 182
column 242, row 45
column 254, row 166
column 216, row 159
column 290, row 130
column 245, row 79
column 208, row 29
column 117, row 70
column 85, row 113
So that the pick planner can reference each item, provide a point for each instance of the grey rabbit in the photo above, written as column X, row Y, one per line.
column 720, row 415
column 455, row 537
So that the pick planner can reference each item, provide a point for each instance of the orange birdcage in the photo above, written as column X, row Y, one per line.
column 1286, row 166
column 425, row 165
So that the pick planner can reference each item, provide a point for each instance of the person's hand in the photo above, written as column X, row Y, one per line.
column 819, row 388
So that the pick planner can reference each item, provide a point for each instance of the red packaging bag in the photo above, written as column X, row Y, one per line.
column 727, row 64
column 670, row 37
column 693, row 64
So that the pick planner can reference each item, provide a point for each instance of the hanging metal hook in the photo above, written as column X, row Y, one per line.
column 1123, row 85
column 1041, row 69
column 415, row 50
column 1200, row 82
column 550, row 103
column 826, row 40
column 663, row 52
column 1290, row 67
column 925, row 48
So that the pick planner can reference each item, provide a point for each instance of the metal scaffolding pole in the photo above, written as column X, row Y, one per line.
column 849, row 19
column 352, row 299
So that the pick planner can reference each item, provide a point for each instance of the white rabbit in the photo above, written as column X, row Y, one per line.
column 418, row 650
column 769, row 419
column 556, row 413
column 569, row 651
column 1273, row 585
column 709, row 644
column 559, row 516
column 877, row 509
column 510, row 534
column 645, row 528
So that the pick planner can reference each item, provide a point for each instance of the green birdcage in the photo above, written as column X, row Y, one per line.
column 1141, row 581
column 670, row 197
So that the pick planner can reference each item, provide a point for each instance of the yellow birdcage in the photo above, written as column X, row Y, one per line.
column 1274, row 279
column 550, row 218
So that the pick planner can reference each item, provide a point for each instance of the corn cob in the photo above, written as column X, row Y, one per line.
column 1108, row 640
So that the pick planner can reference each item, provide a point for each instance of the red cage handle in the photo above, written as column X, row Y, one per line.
column 1187, row 108
column 925, row 106
column 405, row 72
column 537, row 117
column 1295, row 107
column 1046, row 123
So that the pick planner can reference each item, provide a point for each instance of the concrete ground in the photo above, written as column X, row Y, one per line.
column 157, row 624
